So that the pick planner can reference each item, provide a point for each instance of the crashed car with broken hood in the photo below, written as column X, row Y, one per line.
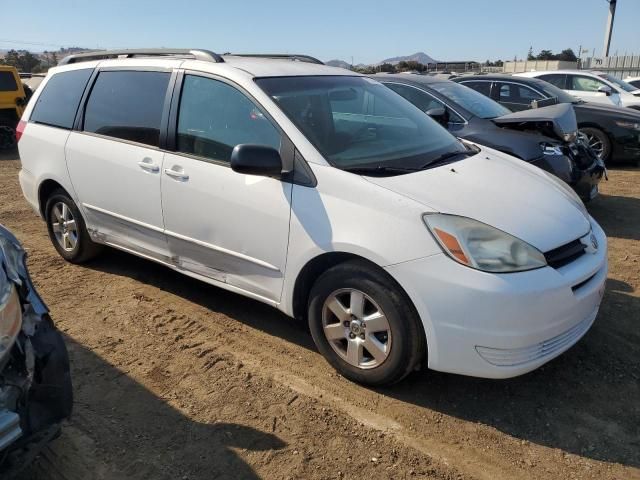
column 35, row 380
column 545, row 136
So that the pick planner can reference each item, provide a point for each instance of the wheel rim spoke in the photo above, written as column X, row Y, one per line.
column 335, row 331
column 338, row 309
column 354, row 352
column 376, row 322
column 375, row 348
column 356, row 304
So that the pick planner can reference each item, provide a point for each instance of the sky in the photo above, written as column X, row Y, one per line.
column 367, row 31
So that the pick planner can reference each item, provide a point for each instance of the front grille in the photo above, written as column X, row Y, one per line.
column 565, row 254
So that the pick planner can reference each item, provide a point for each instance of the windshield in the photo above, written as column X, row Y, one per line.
column 357, row 122
column 623, row 85
column 469, row 99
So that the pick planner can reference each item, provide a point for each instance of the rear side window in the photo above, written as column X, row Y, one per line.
column 127, row 105
column 559, row 80
column 58, row 102
column 482, row 87
column 7, row 82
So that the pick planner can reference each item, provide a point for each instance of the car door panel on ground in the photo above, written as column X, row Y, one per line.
column 236, row 227
column 114, row 161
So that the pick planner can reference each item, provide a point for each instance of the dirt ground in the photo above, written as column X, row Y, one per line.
column 175, row 379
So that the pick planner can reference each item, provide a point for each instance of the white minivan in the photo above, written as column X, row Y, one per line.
column 322, row 193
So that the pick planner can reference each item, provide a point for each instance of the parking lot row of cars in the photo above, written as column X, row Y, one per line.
column 405, row 236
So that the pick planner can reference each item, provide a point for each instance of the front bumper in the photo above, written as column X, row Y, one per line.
column 503, row 325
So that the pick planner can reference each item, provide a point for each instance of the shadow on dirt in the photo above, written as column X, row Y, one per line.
column 617, row 215
column 156, row 440
column 9, row 154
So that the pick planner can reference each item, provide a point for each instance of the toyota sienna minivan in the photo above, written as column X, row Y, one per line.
column 322, row 193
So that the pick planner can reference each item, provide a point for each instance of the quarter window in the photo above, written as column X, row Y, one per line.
column 59, row 100
column 127, row 105
column 215, row 117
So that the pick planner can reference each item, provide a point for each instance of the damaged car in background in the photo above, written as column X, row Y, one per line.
column 545, row 136
column 35, row 380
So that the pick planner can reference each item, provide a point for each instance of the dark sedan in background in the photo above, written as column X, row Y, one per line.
column 544, row 137
column 612, row 132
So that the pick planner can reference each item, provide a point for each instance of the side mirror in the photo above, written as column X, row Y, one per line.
column 256, row 160
column 439, row 114
column 605, row 89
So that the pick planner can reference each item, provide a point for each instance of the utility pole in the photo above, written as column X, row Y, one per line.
column 607, row 33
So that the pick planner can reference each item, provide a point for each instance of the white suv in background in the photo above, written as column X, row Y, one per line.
column 322, row 193
column 591, row 86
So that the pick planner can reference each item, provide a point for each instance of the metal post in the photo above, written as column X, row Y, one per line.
column 607, row 33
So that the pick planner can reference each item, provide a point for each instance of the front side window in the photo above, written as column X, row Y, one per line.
column 214, row 117
column 423, row 100
column 378, row 129
column 585, row 84
column 8, row 82
column 127, row 105
column 57, row 104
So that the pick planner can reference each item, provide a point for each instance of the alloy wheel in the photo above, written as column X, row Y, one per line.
column 64, row 226
column 356, row 328
column 594, row 142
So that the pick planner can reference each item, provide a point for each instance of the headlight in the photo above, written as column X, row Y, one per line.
column 480, row 246
column 551, row 149
column 10, row 321
column 629, row 125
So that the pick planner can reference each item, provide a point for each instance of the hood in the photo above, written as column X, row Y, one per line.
column 620, row 113
column 523, row 145
column 502, row 192
column 560, row 118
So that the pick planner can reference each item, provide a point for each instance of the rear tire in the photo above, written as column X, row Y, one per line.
column 67, row 229
column 598, row 141
column 364, row 324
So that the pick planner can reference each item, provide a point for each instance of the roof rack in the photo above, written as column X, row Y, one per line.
column 204, row 55
column 285, row 56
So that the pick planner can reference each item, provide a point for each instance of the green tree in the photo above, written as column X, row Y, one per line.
column 387, row 67
column 545, row 55
column 567, row 55
column 530, row 55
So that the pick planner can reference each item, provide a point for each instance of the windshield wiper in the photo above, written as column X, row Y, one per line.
column 448, row 157
column 378, row 169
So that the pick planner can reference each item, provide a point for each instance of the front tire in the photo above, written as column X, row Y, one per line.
column 67, row 229
column 365, row 325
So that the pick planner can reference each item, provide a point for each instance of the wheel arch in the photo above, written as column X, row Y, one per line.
column 45, row 190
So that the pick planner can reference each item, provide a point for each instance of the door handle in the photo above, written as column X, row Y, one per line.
column 149, row 166
column 178, row 175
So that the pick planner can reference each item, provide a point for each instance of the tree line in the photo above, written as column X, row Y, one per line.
column 27, row 62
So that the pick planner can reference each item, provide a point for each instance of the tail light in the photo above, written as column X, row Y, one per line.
column 20, row 129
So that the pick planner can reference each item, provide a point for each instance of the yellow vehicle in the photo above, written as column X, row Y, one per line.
column 13, row 100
